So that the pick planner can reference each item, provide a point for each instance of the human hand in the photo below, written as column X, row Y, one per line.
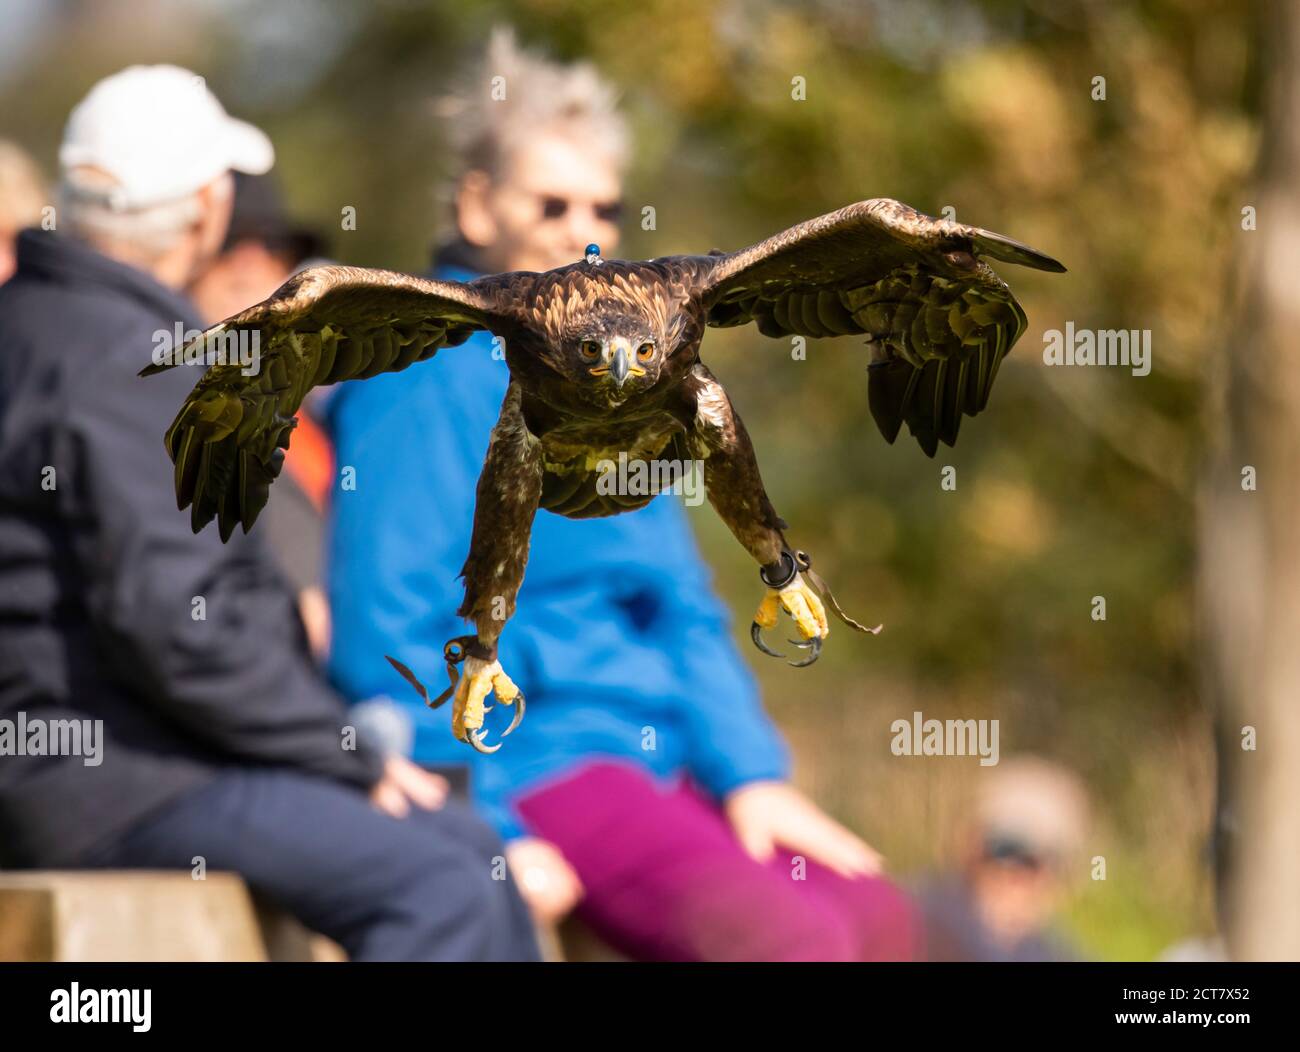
column 547, row 882
column 404, row 784
column 765, row 814
column 314, row 609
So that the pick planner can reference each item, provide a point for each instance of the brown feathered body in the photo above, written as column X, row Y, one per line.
column 559, row 435
column 582, row 426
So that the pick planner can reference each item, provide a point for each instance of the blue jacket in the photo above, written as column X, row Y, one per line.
column 619, row 644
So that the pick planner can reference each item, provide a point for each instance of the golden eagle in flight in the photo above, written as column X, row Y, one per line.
column 604, row 360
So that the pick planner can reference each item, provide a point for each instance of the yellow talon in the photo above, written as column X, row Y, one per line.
column 806, row 610
column 478, row 679
column 468, row 691
column 805, row 607
column 802, row 604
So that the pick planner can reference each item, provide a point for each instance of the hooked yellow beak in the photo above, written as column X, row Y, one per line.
column 619, row 361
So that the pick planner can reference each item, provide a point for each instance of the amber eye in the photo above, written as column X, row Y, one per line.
column 645, row 351
column 590, row 349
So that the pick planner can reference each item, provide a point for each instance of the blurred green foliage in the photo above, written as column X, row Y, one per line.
column 1076, row 483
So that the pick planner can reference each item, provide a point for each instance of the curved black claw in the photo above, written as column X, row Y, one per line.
column 756, row 634
column 475, row 738
column 814, row 644
column 518, row 717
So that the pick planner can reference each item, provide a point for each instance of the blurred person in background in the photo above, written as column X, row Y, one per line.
column 22, row 198
column 647, row 787
column 1016, row 858
column 263, row 248
column 181, row 658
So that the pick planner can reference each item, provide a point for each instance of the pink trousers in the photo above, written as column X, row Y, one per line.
column 666, row 880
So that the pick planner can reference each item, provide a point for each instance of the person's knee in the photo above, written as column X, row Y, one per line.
column 441, row 905
column 460, row 821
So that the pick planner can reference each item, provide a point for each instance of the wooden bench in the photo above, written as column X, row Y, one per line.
column 147, row 915
column 142, row 915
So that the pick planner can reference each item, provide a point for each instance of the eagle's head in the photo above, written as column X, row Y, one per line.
column 609, row 330
column 614, row 355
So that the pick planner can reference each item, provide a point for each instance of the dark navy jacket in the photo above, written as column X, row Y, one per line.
column 99, row 576
column 619, row 643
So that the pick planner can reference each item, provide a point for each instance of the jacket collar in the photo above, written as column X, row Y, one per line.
column 54, row 257
column 458, row 259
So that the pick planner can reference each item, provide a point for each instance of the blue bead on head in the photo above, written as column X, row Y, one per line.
column 592, row 253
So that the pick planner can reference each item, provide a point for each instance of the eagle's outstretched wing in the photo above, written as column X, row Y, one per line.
column 939, row 319
column 324, row 325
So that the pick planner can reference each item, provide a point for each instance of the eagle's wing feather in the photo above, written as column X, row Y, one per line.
column 939, row 319
column 324, row 325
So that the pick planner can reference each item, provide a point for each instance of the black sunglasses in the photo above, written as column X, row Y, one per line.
column 1010, row 851
column 606, row 211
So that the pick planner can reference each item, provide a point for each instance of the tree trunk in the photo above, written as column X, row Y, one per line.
column 1250, row 541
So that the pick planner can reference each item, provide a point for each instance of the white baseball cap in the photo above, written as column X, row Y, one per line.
column 160, row 134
